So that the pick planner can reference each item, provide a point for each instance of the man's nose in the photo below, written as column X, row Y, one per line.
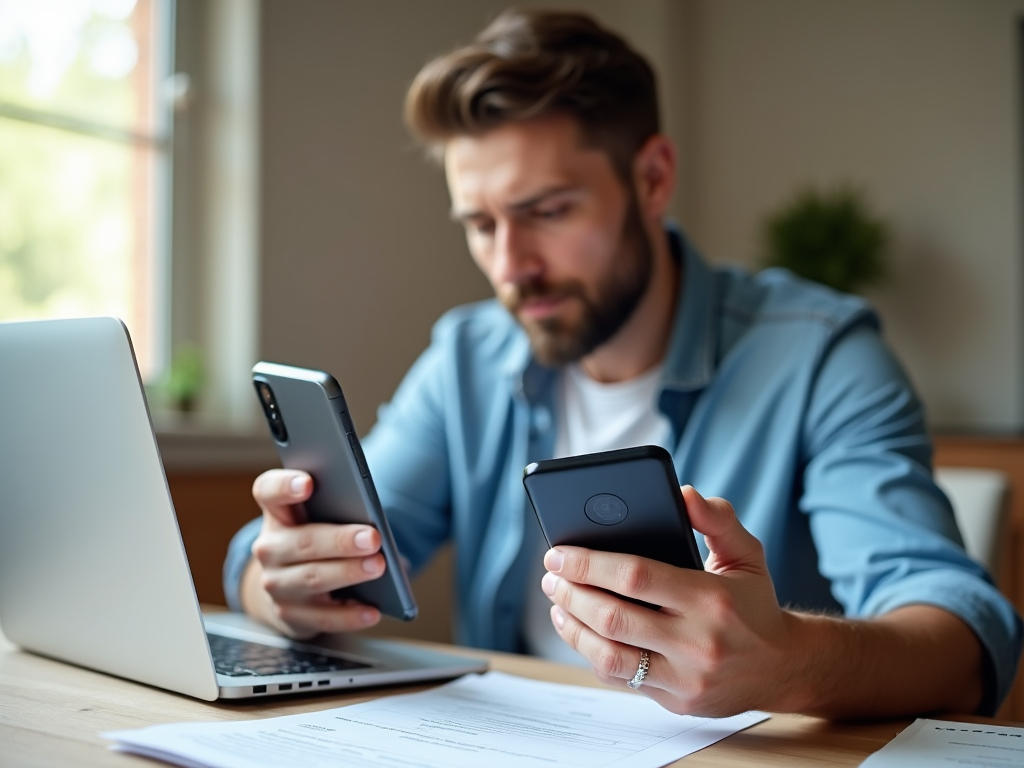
column 515, row 258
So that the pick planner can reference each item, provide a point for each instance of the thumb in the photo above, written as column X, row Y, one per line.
column 279, row 492
column 732, row 547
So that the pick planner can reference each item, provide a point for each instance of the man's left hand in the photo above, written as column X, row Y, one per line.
column 720, row 643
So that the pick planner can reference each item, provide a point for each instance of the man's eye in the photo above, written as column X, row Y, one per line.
column 480, row 227
column 551, row 214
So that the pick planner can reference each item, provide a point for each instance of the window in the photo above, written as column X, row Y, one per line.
column 93, row 126
column 85, row 164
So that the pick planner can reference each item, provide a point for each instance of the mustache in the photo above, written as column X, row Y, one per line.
column 514, row 295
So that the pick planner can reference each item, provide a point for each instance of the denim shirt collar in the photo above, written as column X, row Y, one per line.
column 690, row 359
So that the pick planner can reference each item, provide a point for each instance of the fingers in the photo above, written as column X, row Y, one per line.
column 307, row 561
column 276, row 547
column 609, row 616
column 712, row 517
column 628, row 575
column 300, row 564
column 277, row 491
column 732, row 547
column 670, row 700
column 673, row 680
column 299, row 583
column 609, row 657
column 304, row 616
column 306, row 620
column 617, row 663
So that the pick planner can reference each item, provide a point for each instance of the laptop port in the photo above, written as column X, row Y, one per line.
column 259, row 689
column 284, row 687
column 323, row 682
column 305, row 685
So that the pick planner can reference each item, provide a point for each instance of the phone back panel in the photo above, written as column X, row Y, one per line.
column 618, row 501
column 321, row 440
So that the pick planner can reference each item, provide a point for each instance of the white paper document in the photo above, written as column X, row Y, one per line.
column 493, row 720
column 927, row 743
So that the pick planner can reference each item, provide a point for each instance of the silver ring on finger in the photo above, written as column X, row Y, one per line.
column 641, row 671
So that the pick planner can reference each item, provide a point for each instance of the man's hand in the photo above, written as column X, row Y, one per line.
column 719, row 638
column 296, row 565
column 721, row 644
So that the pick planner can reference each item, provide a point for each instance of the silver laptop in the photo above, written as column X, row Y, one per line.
column 92, row 566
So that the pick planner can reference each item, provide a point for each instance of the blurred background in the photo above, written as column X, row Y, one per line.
column 232, row 177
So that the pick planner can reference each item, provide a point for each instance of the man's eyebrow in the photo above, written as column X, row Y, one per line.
column 517, row 207
column 462, row 216
column 539, row 197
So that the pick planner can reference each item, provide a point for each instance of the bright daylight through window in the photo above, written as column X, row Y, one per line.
column 84, row 166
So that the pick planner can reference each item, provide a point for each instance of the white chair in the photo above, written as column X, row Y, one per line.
column 980, row 499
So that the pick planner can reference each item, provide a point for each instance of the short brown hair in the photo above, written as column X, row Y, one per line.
column 532, row 63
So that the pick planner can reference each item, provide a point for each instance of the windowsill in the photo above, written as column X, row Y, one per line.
column 196, row 443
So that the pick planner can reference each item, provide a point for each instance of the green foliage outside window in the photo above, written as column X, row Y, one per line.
column 76, row 209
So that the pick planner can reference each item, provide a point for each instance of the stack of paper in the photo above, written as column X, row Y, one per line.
column 492, row 720
column 928, row 743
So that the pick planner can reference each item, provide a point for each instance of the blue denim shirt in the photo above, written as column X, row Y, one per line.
column 782, row 398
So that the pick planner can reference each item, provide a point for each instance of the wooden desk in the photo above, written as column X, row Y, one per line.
column 51, row 714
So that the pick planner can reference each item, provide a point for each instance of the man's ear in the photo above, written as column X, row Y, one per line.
column 654, row 175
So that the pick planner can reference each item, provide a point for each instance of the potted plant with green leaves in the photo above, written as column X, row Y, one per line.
column 184, row 380
column 830, row 237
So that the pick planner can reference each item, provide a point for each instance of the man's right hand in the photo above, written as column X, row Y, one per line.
column 296, row 565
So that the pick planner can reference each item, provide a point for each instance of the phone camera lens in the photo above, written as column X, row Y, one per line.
column 271, row 411
column 606, row 509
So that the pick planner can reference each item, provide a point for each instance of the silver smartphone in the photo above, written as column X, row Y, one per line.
column 311, row 426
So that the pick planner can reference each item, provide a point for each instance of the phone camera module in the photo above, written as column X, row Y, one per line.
column 606, row 509
column 271, row 411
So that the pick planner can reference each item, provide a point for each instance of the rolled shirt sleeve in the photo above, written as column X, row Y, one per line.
column 239, row 552
column 885, row 533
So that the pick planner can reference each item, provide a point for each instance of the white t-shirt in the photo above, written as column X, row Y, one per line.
column 591, row 417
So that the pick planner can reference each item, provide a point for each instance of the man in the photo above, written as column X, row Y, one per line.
column 611, row 331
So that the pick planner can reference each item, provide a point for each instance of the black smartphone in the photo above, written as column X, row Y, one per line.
column 313, row 431
column 624, row 501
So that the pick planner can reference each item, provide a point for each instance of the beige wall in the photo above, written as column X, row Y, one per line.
column 358, row 255
column 916, row 101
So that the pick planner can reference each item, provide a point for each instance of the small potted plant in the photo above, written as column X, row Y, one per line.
column 184, row 380
column 829, row 237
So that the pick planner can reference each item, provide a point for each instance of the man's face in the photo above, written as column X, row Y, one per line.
column 555, row 230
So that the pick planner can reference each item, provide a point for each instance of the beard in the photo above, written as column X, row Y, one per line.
column 557, row 341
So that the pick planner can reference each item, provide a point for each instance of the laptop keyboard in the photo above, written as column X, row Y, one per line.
column 241, row 658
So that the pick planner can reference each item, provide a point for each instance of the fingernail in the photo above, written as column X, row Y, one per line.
column 298, row 486
column 558, row 617
column 364, row 540
column 553, row 560
column 368, row 617
column 548, row 584
column 370, row 565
